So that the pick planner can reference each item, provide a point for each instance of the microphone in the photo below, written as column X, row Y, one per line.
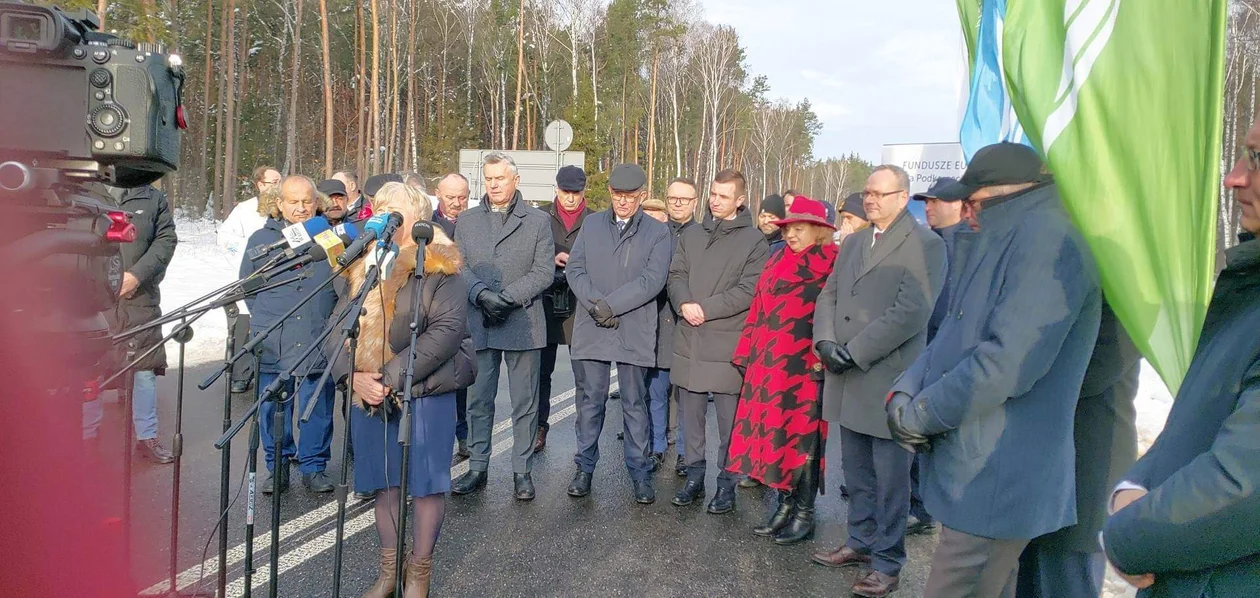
column 253, row 283
column 381, row 226
column 422, row 233
column 296, row 236
column 331, row 244
column 383, row 258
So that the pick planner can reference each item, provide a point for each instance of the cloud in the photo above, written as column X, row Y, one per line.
column 822, row 79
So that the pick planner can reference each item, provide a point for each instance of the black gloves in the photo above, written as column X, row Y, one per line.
column 495, row 307
column 603, row 315
column 835, row 357
column 898, row 405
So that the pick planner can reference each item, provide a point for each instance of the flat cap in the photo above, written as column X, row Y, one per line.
column 627, row 177
column 331, row 187
column 375, row 182
column 571, row 179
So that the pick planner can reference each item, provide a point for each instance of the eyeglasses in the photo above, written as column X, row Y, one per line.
column 878, row 195
column 625, row 198
column 1253, row 158
column 674, row 199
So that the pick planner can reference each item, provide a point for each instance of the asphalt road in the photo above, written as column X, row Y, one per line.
column 491, row 545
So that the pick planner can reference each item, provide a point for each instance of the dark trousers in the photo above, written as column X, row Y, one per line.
column 695, row 412
column 877, row 474
column 522, row 371
column 461, row 414
column 917, row 510
column 1047, row 572
column 966, row 566
column 545, row 371
column 658, row 404
column 591, row 379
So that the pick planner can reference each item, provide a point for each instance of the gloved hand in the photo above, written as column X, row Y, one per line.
column 494, row 305
column 899, row 404
column 558, row 280
column 602, row 314
column 835, row 357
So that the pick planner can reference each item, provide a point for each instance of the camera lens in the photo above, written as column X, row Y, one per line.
column 107, row 120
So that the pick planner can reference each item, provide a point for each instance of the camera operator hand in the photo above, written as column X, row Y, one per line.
column 129, row 285
column 368, row 386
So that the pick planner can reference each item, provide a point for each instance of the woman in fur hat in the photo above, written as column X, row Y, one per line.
column 444, row 364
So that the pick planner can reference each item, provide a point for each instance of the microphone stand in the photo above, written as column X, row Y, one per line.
column 257, row 340
column 350, row 336
column 177, row 450
column 404, row 422
column 277, row 393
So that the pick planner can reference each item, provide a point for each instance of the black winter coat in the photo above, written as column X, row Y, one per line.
column 146, row 258
column 558, row 301
column 1198, row 530
column 280, row 351
column 716, row 265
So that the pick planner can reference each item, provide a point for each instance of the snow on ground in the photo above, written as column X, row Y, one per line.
column 200, row 266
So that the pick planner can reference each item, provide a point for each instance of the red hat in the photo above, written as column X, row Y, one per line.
column 809, row 211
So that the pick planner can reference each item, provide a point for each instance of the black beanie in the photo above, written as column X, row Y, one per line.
column 774, row 205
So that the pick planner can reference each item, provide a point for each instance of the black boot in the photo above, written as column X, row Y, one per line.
column 781, row 517
column 801, row 527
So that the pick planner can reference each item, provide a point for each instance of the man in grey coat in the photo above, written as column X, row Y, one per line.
column 509, row 260
column 869, row 325
column 994, row 396
column 616, row 268
column 711, row 283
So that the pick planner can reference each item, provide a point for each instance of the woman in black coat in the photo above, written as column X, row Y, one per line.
column 444, row 364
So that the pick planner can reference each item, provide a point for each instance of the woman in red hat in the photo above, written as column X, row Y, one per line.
column 779, row 431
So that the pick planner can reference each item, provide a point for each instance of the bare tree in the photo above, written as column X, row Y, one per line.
column 290, row 139
column 717, row 64
column 328, row 107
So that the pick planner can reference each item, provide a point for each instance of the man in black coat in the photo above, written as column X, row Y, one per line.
column 145, row 261
column 619, row 265
column 567, row 212
column 680, row 203
column 1186, row 518
column 452, row 194
column 1069, row 562
column 712, row 279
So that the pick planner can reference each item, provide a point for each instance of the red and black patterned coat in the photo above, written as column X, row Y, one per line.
column 778, row 424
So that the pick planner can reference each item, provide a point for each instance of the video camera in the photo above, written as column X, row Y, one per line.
column 79, row 109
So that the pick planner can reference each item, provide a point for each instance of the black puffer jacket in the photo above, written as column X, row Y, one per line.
column 146, row 258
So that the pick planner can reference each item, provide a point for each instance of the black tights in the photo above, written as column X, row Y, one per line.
column 427, row 513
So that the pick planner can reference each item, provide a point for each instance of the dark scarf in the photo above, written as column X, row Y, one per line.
column 570, row 219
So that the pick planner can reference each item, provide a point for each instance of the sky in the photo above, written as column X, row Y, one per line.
column 875, row 71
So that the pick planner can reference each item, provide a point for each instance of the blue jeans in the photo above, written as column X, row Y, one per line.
column 314, row 443
column 658, row 405
column 143, row 409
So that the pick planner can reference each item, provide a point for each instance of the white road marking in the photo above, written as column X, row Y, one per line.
column 205, row 572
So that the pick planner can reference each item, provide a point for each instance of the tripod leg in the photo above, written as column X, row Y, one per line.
column 129, row 441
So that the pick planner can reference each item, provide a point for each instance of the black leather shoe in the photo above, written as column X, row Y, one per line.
column 365, row 496
column 680, row 467
column 269, row 485
column 723, row 501
column 690, row 493
column 317, row 482
column 469, row 482
column 240, row 387
column 524, row 486
column 644, row 493
column 780, row 519
column 799, row 529
column 581, row 484
column 153, row 450
column 655, row 461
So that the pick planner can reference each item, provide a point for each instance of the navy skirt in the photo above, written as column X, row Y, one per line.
column 378, row 456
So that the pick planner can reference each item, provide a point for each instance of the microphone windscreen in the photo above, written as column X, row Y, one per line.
column 317, row 253
column 316, row 225
column 422, row 233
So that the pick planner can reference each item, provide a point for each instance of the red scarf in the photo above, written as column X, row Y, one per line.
column 570, row 218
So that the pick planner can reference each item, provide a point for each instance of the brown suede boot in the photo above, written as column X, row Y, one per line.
column 419, row 571
column 384, row 587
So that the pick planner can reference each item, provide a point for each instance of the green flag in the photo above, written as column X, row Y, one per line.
column 1124, row 100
